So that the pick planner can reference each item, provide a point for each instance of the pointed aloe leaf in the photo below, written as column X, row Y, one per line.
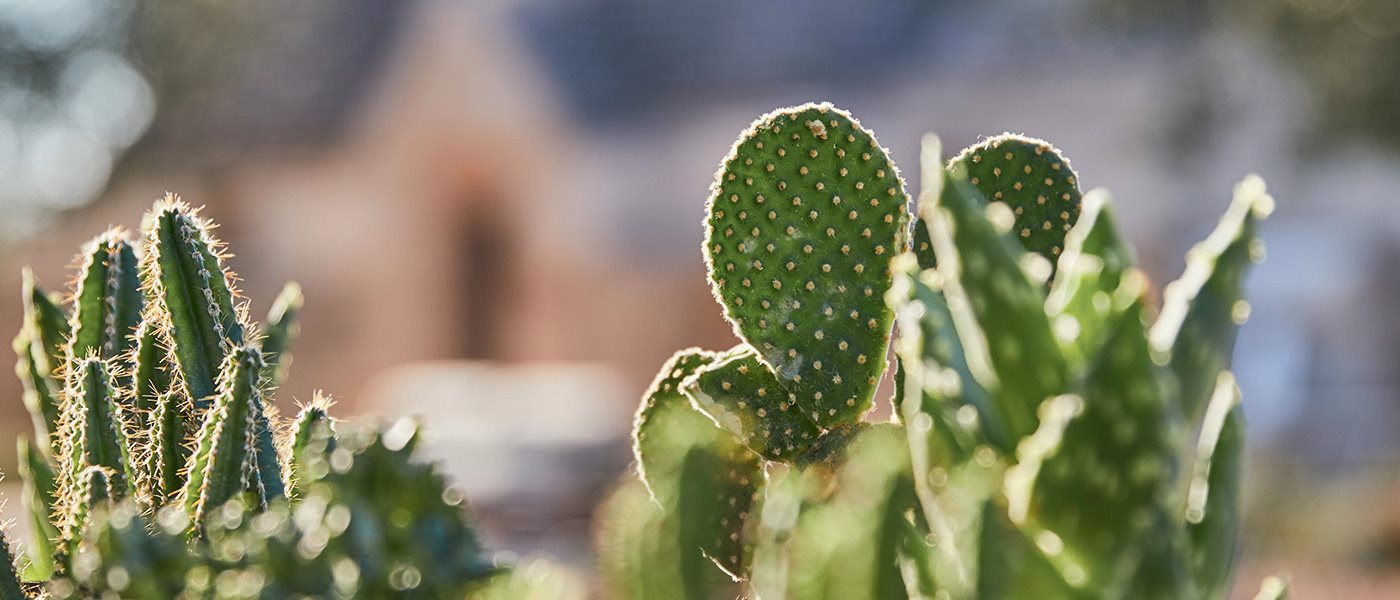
column 193, row 301
column 40, row 348
column 313, row 420
column 107, row 300
column 803, row 218
column 40, row 504
column 744, row 398
column 851, row 546
column 1202, row 311
column 1091, row 485
column 9, row 579
column 1010, row 566
column 1090, row 270
column 1033, row 179
column 1213, row 502
column 947, row 411
column 997, row 310
column 234, row 453
column 282, row 329
column 639, row 554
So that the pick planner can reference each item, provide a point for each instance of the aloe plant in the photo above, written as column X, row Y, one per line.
column 1050, row 437
column 160, row 468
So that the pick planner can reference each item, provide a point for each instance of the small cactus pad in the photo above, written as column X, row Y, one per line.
column 1090, row 270
column 803, row 218
column 664, row 392
column 1099, row 488
column 1202, row 311
column 1015, row 357
column 638, row 551
column 234, row 452
column 193, row 299
column 1034, row 180
column 1213, row 502
column 744, row 398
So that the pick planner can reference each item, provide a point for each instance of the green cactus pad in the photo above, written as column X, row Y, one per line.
column 282, row 328
column 234, row 452
column 107, row 299
column 1093, row 494
column 744, row 398
column 649, row 426
column 193, row 302
column 1090, row 270
column 1213, row 502
column 804, row 216
column 1202, row 311
column 638, row 553
column 1034, row 180
column 701, row 476
column 997, row 309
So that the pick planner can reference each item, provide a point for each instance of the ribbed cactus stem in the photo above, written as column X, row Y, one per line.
column 148, row 376
column 234, row 451
column 166, row 452
column 313, row 420
column 96, row 487
column 193, row 298
column 40, row 505
column 9, row 578
column 107, row 300
column 281, row 330
column 93, row 436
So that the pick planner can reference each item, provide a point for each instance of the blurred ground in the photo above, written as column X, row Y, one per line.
column 494, row 209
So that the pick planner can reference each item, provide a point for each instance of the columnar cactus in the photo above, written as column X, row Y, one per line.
column 160, row 468
column 1042, row 443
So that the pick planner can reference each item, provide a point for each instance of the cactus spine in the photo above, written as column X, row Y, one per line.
column 1044, row 420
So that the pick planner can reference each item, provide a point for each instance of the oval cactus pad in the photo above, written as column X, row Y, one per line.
column 804, row 216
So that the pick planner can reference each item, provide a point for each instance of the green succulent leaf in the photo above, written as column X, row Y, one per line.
column 1202, row 311
column 1090, row 270
column 1213, row 502
column 282, row 329
column 997, row 310
column 40, row 504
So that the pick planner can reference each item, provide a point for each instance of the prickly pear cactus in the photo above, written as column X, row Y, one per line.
column 803, row 218
column 1045, row 424
column 161, row 469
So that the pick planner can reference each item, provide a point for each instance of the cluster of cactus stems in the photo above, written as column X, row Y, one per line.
column 160, row 469
column 1054, row 434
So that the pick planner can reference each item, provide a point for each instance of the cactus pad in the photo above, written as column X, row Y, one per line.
column 804, row 216
column 744, row 398
column 1032, row 178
